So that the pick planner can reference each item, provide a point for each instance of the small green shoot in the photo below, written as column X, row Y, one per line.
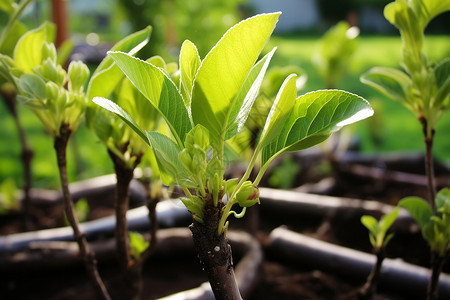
column 138, row 244
column 378, row 230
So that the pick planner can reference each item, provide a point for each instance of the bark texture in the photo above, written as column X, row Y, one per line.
column 214, row 253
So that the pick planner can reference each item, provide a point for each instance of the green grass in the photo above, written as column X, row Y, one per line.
column 392, row 128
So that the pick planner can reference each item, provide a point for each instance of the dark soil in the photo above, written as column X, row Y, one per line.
column 279, row 279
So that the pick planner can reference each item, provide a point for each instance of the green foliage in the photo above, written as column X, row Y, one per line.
column 13, row 29
column 423, row 87
column 57, row 97
column 335, row 52
column 224, row 89
column 378, row 230
column 138, row 244
column 8, row 200
column 109, row 81
column 82, row 210
column 435, row 228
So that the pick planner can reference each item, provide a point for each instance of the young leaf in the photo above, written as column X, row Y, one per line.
column 167, row 156
column 159, row 89
column 442, row 77
column 27, row 53
column 223, row 72
column 280, row 111
column 442, row 198
column 107, row 75
column 247, row 96
column 387, row 220
column 389, row 81
column 418, row 208
column 189, row 64
column 428, row 9
column 116, row 109
column 314, row 117
column 137, row 243
column 370, row 223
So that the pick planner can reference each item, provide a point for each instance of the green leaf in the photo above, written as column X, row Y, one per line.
column 314, row 117
column 247, row 96
column 370, row 223
column 280, row 111
column 428, row 9
column 27, row 53
column 159, row 89
column 442, row 198
column 442, row 77
column 223, row 72
column 138, row 244
column 116, row 109
column 387, row 220
column 418, row 208
column 107, row 75
column 167, row 156
column 189, row 64
column 389, row 81
column 10, row 41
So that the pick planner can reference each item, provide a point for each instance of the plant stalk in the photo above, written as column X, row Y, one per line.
column 60, row 145
column 437, row 262
column 429, row 165
column 131, row 270
column 369, row 288
column 214, row 253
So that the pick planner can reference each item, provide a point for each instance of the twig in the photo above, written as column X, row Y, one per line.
column 60, row 144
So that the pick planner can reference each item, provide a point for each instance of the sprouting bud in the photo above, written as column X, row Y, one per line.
column 248, row 195
column 198, row 135
column 78, row 74
column 52, row 90
column 48, row 51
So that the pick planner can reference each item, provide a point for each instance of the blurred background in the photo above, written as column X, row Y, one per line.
column 93, row 26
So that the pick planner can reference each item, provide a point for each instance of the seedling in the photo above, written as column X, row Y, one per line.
column 57, row 98
column 126, row 151
column 209, row 106
column 435, row 229
column 379, row 240
column 421, row 86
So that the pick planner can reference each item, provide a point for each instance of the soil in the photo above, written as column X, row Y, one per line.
column 279, row 279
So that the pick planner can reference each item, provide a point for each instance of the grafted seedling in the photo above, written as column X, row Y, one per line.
column 210, row 105
column 58, row 99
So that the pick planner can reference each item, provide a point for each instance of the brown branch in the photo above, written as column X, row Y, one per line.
column 214, row 253
column 60, row 144
column 131, row 269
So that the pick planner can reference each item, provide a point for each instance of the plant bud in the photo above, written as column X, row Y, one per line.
column 248, row 195
column 199, row 135
column 48, row 51
column 78, row 74
column 52, row 91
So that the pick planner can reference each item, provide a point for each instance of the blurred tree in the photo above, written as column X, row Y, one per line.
column 173, row 21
